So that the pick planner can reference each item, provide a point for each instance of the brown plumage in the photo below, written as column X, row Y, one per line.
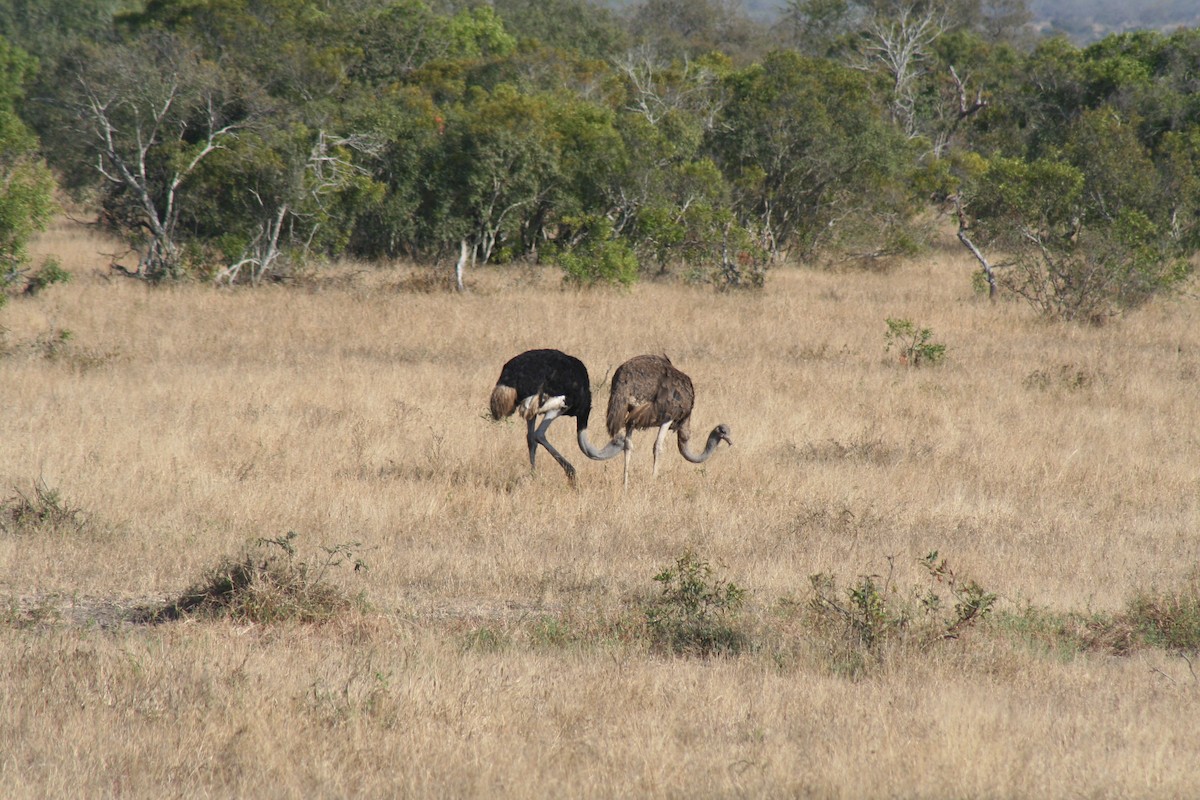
column 649, row 392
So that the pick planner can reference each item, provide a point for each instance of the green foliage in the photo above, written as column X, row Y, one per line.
column 912, row 343
column 51, row 272
column 597, row 256
column 406, row 127
column 1090, row 191
column 589, row 28
column 809, row 155
column 1152, row 618
column 47, row 27
column 477, row 33
column 696, row 611
column 865, row 615
column 26, row 184
column 1084, row 245
column 871, row 615
column 270, row 583
column 972, row 603
column 497, row 161
column 1177, row 160
column 409, row 41
column 278, row 196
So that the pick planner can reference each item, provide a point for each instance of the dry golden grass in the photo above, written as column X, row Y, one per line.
column 1057, row 465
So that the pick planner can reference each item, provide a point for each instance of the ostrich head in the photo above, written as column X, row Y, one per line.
column 721, row 434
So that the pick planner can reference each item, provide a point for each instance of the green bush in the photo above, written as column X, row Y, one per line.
column 696, row 611
column 913, row 343
column 50, row 273
column 599, row 257
column 862, row 620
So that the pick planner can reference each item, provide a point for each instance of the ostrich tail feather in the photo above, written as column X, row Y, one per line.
column 504, row 401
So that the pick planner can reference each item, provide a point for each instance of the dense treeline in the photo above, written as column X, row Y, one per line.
column 232, row 139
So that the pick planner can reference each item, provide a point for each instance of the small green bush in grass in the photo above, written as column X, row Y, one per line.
column 696, row 612
column 860, row 621
column 914, row 344
column 268, row 584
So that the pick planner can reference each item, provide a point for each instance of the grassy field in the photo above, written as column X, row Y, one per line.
column 497, row 643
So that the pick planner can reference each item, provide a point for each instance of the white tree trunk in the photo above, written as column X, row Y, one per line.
column 463, row 251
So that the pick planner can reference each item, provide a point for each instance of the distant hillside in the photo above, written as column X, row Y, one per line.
column 1082, row 20
column 1088, row 20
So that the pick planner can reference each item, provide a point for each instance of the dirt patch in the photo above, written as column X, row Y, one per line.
column 106, row 613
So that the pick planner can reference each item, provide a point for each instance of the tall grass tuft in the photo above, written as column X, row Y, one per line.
column 45, row 511
column 1169, row 620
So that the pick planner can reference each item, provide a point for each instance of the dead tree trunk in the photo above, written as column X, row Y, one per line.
column 988, row 271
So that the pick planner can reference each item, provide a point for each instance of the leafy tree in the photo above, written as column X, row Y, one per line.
column 596, row 255
column 494, row 167
column 26, row 185
column 400, row 39
column 147, row 115
column 408, row 128
column 1113, row 220
column 670, row 199
column 812, row 163
column 277, row 195
column 1071, row 258
column 582, row 26
column 1178, row 166
column 47, row 28
column 295, row 49
column 681, row 29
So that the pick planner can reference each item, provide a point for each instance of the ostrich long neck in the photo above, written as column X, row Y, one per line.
column 617, row 445
column 714, row 439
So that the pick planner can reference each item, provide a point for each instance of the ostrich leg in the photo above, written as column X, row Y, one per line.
column 531, row 440
column 658, row 444
column 628, row 456
column 539, row 437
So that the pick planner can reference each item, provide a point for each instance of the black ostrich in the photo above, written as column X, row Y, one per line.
column 649, row 392
column 554, row 384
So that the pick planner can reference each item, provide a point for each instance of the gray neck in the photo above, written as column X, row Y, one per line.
column 714, row 439
column 617, row 445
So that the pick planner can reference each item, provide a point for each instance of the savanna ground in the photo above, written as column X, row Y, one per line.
column 496, row 643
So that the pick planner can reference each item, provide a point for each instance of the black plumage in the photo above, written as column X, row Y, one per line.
column 550, row 384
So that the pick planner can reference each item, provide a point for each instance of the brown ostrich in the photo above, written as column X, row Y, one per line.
column 550, row 384
column 649, row 392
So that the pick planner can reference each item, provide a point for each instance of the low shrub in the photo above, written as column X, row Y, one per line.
column 268, row 584
column 696, row 612
column 860, row 621
column 914, row 344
